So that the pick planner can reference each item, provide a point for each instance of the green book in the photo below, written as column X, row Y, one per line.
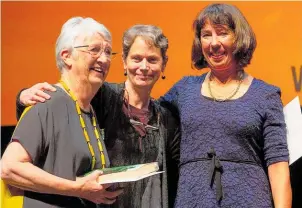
column 128, row 173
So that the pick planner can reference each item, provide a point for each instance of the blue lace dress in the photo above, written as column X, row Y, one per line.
column 226, row 147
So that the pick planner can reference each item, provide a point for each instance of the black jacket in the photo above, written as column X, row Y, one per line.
column 160, row 190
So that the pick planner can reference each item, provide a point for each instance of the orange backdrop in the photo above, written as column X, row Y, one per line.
column 30, row 29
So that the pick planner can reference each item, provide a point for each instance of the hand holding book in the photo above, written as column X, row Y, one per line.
column 128, row 173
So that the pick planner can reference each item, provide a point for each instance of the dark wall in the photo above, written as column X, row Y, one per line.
column 6, row 133
column 296, row 182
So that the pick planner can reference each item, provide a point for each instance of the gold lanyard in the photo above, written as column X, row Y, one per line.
column 83, row 125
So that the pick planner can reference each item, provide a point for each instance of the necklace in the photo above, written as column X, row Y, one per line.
column 129, row 111
column 231, row 95
column 83, row 125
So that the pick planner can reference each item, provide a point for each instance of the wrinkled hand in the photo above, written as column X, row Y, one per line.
column 91, row 190
column 36, row 94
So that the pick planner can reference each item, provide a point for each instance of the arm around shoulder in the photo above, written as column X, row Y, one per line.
column 32, row 95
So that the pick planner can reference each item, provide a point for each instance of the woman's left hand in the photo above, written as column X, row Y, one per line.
column 280, row 184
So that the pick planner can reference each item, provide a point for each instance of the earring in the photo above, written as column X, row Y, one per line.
column 125, row 73
column 163, row 76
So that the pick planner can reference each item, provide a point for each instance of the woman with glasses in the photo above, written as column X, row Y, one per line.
column 56, row 142
column 137, row 129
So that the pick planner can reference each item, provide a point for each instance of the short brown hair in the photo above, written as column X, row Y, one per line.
column 151, row 32
column 229, row 15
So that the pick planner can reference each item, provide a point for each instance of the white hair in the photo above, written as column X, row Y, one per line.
column 74, row 27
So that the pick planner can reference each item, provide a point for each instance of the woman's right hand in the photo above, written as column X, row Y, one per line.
column 91, row 190
column 36, row 94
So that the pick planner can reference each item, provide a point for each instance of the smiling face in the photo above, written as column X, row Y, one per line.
column 217, row 43
column 144, row 63
column 91, row 63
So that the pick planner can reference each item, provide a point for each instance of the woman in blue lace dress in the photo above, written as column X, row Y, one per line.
column 233, row 147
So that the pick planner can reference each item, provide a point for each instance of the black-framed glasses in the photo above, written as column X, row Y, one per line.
column 146, row 126
column 97, row 50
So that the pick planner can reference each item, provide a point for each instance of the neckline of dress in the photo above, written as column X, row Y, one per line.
column 226, row 101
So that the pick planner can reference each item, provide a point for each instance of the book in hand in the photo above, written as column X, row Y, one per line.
column 128, row 173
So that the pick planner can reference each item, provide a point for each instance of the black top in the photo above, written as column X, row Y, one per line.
column 52, row 135
column 126, row 147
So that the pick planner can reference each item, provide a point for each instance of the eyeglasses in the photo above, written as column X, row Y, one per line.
column 97, row 50
column 134, row 123
column 146, row 126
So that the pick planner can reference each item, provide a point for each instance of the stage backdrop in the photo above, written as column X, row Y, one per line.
column 30, row 29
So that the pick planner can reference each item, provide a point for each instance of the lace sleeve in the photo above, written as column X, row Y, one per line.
column 274, row 130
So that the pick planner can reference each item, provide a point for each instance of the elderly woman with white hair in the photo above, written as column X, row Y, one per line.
column 58, row 141
column 138, row 129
